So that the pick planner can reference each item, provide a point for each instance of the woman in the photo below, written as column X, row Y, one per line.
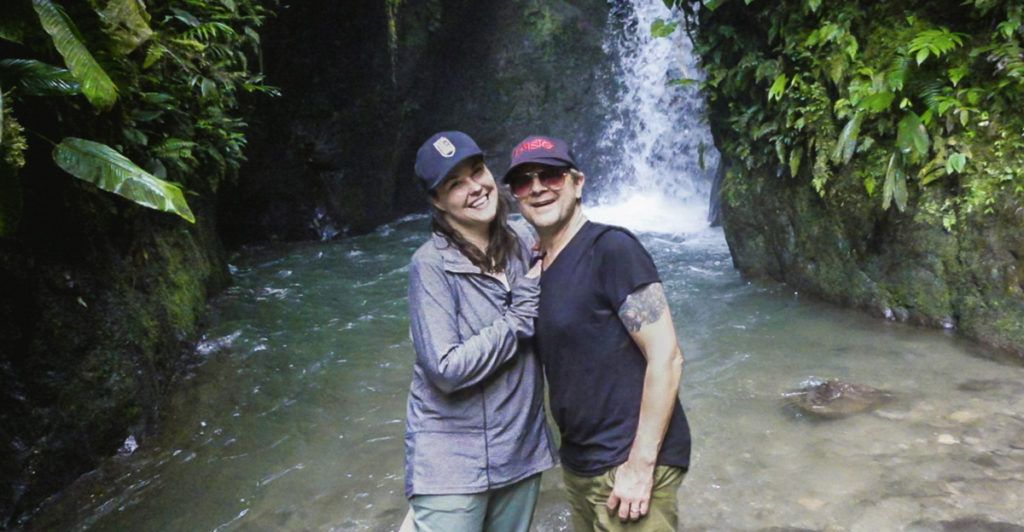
column 476, row 435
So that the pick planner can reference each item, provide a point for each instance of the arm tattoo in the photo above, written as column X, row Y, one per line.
column 643, row 306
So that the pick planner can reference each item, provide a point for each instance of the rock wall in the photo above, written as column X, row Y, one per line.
column 902, row 267
column 867, row 167
column 334, row 153
column 98, row 311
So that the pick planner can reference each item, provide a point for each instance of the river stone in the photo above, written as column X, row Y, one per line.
column 833, row 399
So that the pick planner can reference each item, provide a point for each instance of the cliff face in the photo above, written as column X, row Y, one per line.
column 873, row 156
column 362, row 87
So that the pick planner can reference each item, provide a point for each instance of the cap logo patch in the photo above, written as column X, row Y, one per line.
column 444, row 147
column 533, row 144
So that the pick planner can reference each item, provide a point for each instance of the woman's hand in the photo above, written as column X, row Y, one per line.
column 536, row 265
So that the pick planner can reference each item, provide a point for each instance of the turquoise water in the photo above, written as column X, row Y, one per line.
column 294, row 418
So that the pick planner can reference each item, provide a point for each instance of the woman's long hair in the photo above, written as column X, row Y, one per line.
column 501, row 241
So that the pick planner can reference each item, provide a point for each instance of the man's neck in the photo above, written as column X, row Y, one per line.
column 555, row 239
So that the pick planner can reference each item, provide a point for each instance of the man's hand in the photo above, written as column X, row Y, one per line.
column 631, row 495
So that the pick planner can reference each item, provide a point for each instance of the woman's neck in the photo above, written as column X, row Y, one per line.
column 478, row 235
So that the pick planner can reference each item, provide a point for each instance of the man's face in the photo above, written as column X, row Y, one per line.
column 546, row 205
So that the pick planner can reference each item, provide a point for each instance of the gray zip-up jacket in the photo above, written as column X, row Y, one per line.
column 475, row 419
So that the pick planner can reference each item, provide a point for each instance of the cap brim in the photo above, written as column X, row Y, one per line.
column 453, row 163
column 550, row 161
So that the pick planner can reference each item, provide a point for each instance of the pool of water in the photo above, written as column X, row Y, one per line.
column 294, row 419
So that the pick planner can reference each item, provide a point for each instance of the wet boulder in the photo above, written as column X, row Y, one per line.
column 833, row 399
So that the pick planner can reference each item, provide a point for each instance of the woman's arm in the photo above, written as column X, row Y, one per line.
column 452, row 364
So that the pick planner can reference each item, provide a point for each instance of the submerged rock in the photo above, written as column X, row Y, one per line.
column 836, row 399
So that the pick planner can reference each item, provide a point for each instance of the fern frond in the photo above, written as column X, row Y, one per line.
column 104, row 167
column 97, row 86
column 175, row 148
column 37, row 78
column 208, row 31
column 935, row 42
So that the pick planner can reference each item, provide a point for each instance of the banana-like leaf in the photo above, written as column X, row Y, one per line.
column 911, row 136
column 37, row 78
column 846, row 145
column 96, row 84
column 104, row 167
column 895, row 186
column 128, row 24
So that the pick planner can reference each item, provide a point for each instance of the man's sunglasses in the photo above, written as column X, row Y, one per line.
column 553, row 178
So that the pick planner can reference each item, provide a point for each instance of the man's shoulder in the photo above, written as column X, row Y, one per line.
column 614, row 238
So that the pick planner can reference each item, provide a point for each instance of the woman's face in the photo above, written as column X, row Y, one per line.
column 469, row 197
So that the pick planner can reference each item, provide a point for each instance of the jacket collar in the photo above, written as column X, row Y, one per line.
column 453, row 259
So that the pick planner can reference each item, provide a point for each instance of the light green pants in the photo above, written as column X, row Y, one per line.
column 508, row 509
column 588, row 496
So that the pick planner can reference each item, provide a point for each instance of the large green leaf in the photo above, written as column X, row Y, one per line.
column 877, row 102
column 911, row 136
column 895, row 186
column 104, row 167
column 37, row 78
column 660, row 28
column 778, row 88
column 847, row 143
column 96, row 84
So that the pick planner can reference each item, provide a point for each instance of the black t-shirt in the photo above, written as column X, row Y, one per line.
column 594, row 369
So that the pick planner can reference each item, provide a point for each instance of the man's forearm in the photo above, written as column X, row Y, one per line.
column 661, row 386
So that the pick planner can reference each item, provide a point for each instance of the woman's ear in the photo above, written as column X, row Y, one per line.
column 433, row 201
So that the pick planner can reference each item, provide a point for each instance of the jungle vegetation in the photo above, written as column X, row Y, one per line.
column 834, row 91
column 139, row 99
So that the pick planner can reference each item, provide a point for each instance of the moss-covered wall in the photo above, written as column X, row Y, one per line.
column 97, row 319
column 867, row 172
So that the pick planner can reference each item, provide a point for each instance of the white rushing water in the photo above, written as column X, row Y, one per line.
column 658, row 156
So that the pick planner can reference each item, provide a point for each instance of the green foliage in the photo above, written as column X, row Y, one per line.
column 660, row 28
column 179, row 67
column 96, row 84
column 900, row 92
column 36, row 78
column 104, row 167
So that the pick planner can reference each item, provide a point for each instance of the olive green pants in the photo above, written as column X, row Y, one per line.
column 588, row 496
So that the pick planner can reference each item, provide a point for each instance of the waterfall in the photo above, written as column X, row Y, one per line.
column 656, row 156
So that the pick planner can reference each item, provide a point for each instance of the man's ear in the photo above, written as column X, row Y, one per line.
column 579, row 185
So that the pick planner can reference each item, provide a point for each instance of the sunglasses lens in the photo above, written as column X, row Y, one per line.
column 520, row 185
column 552, row 177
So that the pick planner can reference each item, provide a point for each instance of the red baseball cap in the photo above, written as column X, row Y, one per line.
column 541, row 150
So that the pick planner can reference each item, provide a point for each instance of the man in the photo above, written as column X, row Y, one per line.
column 608, row 346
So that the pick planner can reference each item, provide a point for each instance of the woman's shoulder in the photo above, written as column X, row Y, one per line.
column 524, row 232
column 428, row 253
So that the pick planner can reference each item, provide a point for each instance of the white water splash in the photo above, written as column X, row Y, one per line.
column 658, row 156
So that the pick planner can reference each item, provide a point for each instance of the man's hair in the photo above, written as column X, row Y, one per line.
column 576, row 175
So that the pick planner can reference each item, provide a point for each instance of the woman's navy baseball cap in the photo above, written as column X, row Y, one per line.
column 440, row 153
column 541, row 150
